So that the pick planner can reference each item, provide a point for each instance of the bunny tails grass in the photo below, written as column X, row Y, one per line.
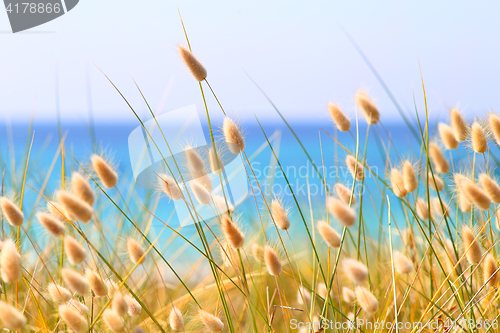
column 232, row 233
column 459, row 125
column 135, row 251
column 272, row 261
column 342, row 212
column 478, row 138
column 410, row 181
column 10, row 262
column 397, row 183
column 11, row 318
column 53, row 225
column 104, row 171
column 394, row 223
column 280, row 214
column 345, row 194
column 471, row 245
column 233, row 136
column 447, row 136
column 168, row 186
column 194, row 65
column 76, row 207
column 211, row 322
column 490, row 187
column 494, row 124
column 355, row 270
column 366, row 300
column 11, row 212
column 176, row 320
column 355, row 167
column 74, row 250
column 367, row 107
column 73, row 319
column 329, row 235
column 59, row 294
column 339, row 118
column 438, row 159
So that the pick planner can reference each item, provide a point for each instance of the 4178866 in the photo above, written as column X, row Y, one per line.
column 33, row 8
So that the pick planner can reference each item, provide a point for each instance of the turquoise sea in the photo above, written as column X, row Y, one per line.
column 44, row 169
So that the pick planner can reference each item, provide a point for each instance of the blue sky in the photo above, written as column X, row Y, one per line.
column 295, row 50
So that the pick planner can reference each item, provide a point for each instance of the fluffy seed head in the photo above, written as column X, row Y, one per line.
column 463, row 203
column 422, row 209
column 478, row 138
column 76, row 282
column 367, row 107
column 213, row 323
column 341, row 211
column 494, row 122
column 234, row 236
column 135, row 251
column 175, row 319
column 96, row 283
column 440, row 163
column 138, row 329
column 490, row 187
column 105, row 171
column 10, row 262
column 196, row 167
column 409, row 177
column 344, row 193
column 339, row 118
column 322, row 290
column 439, row 207
column 303, row 295
column 74, row 206
column 119, row 304
column 272, row 261
column 81, row 188
column 11, row 212
column 215, row 160
column 134, row 308
column 397, row 183
column 459, row 125
column 11, row 318
column 169, row 187
column 58, row 294
column 194, row 65
column 348, row 295
column 366, row 300
column 57, row 210
column 79, row 306
column 402, row 264
column 74, row 250
column 73, row 319
column 329, row 235
column 53, row 225
column 200, row 192
column 220, row 202
column 497, row 218
column 447, row 136
column 279, row 214
column 435, row 182
column 112, row 287
column 474, row 193
column 233, row 136
column 355, row 167
column 471, row 246
column 490, row 271
column 258, row 252
column 355, row 270
column 114, row 321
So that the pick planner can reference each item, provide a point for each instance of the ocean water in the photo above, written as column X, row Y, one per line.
column 44, row 170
